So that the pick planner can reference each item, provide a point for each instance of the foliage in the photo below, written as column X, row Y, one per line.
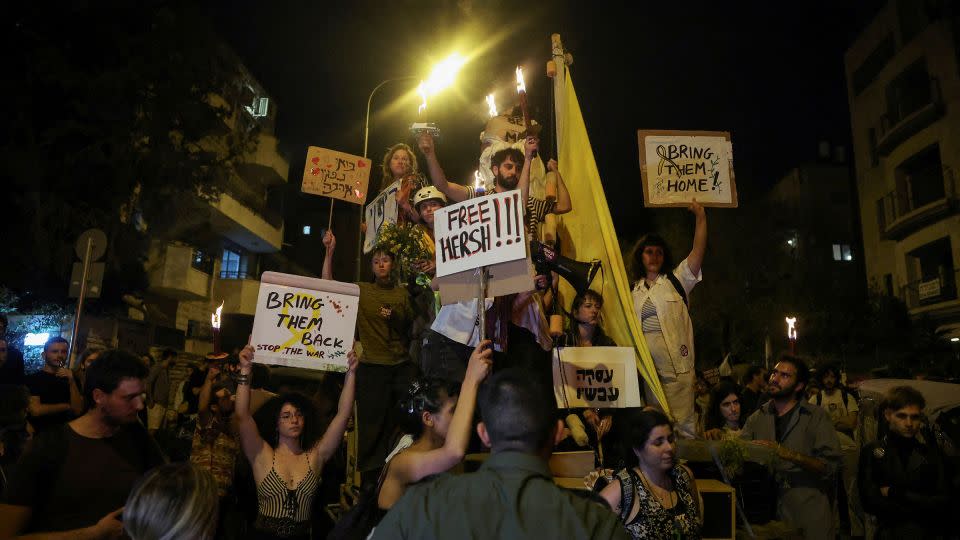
column 732, row 454
column 108, row 125
column 406, row 241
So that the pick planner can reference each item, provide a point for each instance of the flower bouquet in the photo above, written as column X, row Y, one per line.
column 409, row 245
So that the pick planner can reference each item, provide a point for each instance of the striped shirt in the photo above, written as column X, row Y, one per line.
column 276, row 500
column 535, row 213
column 649, row 322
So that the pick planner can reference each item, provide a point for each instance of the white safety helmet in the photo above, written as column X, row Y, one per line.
column 428, row 193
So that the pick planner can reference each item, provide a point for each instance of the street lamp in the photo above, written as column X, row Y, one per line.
column 442, row 76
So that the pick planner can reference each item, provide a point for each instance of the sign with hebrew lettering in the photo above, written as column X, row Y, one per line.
column 603, row 377
column 677, row 167
column 304, row 322
column 382, row 210
column 338, row 175
column 479, row 232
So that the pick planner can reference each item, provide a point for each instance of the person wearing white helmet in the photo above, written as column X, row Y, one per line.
column 426, row 201
column 425, row 300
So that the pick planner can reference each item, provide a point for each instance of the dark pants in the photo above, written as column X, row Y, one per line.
column 379, row 391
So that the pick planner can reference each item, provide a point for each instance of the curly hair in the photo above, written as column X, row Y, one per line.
column 388, row 177
column 720, row 392
column 269, row 415
column 637, row 269
column 425, row 395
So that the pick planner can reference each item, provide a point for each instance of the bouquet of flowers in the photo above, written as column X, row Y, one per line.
column 408, row 244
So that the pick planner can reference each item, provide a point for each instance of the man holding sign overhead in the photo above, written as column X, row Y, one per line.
column 516, row 319
column 383, row 323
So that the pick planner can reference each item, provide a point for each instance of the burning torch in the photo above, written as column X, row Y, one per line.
column 792, row 333
column 217, row 353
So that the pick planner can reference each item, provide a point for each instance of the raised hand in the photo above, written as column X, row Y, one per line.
column 425, row 143
column 480, row 362
column 552, row 165
column 530, row 146
column 246, row 357
column 696, row 209
column 329, row 240
column 352, row 362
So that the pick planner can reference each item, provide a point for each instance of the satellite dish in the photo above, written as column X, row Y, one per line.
column 98, row 246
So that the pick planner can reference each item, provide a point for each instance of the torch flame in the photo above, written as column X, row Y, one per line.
column 520, row 86
column 422, row 89
column 477, row 180
column 215, row 317
column 791, row 329
column 492, row 104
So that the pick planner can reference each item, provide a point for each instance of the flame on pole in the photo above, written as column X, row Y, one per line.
column 478, row 187
column 423, row 94
column 792, row 333
column 491, row 105
column 215, row 324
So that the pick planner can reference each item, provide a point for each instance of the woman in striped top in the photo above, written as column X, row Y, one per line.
column 660, row 301
column 287, row 457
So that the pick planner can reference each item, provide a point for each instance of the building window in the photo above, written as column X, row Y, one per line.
column 842, row 252
column 233, row 265
column 872, row 65
column 920, row 180
column 201, row 260
column 908, row 93
column 306, row 230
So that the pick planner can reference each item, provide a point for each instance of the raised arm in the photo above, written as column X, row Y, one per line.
column 564, row 204
column 410, row 467
column 454, row 192
column 334, row 435
column 530, row 146
column 330, row 243
column 695, row 258
column 250, row 441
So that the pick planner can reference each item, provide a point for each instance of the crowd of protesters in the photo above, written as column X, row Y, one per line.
column 79, row 452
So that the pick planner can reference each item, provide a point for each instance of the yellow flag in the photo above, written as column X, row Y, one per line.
column 587, row 231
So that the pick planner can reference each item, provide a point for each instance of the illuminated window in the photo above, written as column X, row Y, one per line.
column 842, row 252
column 233, row 265
column 259, row 107
column 306, row 230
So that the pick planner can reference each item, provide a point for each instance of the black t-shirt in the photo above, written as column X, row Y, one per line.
column 71, row 481
column 196, row 380
column 780, row 423
column 50, row 389
column 749, row 402
column 11, row 372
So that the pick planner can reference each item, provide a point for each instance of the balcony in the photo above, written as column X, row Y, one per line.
column 244, row 218
column 936, row 298
column 238, row 295
column 900, row 215
column 906, row 116
column 171, row 273
column 265, row 165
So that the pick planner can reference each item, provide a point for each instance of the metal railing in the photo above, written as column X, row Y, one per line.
column 893, row 206
column 926, row 292
column 901, row 109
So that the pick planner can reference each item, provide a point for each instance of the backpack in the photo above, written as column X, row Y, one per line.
column 676, row 285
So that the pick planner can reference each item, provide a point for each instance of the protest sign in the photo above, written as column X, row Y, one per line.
column 336, row 175
column 382, row 210
column 679, row 166
column 595, row 377
column 304, row 322
column 479, row 232
column 504, row 278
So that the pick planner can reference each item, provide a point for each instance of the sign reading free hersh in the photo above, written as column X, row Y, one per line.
column 479, row 232
column 304, row 322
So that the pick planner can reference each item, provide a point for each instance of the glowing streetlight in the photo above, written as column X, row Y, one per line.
column 442, row 76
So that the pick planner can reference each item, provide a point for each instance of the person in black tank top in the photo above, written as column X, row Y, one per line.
column 287, row 454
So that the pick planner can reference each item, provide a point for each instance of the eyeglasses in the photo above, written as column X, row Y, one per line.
column 286, row 417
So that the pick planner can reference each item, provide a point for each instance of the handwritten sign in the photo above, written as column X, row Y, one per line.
column 378, row 213
column 479, row 232
column 304, row 322
column 595, row 377
column 337, row 175
column 679, row 166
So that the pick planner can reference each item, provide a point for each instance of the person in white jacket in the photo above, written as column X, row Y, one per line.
column 660, row 300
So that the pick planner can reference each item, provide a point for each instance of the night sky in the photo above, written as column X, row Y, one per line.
column 771, row 75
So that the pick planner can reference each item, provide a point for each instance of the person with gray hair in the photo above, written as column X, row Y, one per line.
column 172, row 502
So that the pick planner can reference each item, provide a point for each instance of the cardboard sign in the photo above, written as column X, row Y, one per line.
column 679, row 166
column 604, row 377
column 479, row 232
column 378, row 213
column 505, row 278
column 304, row 322
column 337, row 175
